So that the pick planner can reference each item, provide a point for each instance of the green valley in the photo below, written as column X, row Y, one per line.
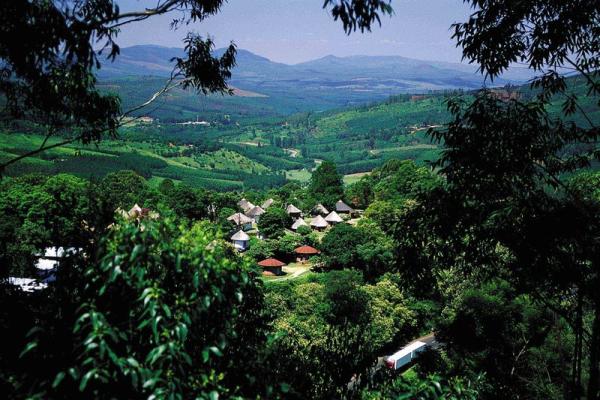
column 232, row 152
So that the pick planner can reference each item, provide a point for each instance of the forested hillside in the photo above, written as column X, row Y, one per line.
column 245, row 150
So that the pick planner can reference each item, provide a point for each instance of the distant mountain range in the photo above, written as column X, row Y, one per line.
column 326, row 82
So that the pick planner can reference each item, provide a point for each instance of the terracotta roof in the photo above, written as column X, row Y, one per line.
column 271, row 262
column 241, row 236
column 306, row 250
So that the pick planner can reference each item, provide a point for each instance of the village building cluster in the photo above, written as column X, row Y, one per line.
column 244, row 222
column 318, row 219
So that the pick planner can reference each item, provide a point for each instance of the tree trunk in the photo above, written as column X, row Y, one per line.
column 594, row 381
column 575, row 392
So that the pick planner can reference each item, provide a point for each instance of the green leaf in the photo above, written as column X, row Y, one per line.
column 85, row 379
column 30, row 346
column 59, row 377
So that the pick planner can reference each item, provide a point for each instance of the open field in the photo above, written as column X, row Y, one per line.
column 353, row 178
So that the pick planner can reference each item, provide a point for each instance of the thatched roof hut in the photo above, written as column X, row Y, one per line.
column 241, row 236
column 298, row 223
column 320, row 209
column 240, row 240
column 319, row 223
column 342, row 207
column 255, row 212
column 245, row 205
column 239, row 219
column 333, row 218
column 293, row 210
column 267, row 203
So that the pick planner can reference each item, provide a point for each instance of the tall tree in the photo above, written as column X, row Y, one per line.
column 504, row 162
column 326, row 185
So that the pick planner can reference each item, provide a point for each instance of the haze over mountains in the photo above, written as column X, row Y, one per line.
column 319, row 84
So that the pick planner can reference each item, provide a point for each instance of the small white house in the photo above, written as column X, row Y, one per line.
column 240, row 240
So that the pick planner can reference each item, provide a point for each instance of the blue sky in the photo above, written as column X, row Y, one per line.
column 292, row 31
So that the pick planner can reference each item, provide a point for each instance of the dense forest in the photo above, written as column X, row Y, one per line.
column 142, row 259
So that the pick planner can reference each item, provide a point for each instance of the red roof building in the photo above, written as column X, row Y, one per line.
column 304, row 253
column 271, row 266
column 271, row 262
column 306, row 250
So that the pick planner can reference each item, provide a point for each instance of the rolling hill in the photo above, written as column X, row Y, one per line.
column 259, row 151
column 318, row 85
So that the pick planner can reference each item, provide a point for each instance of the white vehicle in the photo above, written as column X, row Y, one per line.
column 405, row 355
column 28, row 285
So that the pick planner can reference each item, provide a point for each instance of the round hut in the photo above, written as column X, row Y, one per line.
column 293, row 211
column 271, row 266
column 343, row 208
column 319, row 223
column 240, row 220
column 240, row 240
column 303, row 253
column 245, row 205
column 298, row 223
column 333, row 218
column 255, row 213
column 267, row 204
column 319, row 209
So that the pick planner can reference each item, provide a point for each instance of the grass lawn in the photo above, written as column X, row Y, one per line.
column 353, row 178
column 301, row 175
column 292, row 271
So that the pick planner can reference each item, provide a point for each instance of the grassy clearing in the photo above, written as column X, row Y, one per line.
column 229, row 160
column 353, row 178
column 301, row 175
column 292, row 271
